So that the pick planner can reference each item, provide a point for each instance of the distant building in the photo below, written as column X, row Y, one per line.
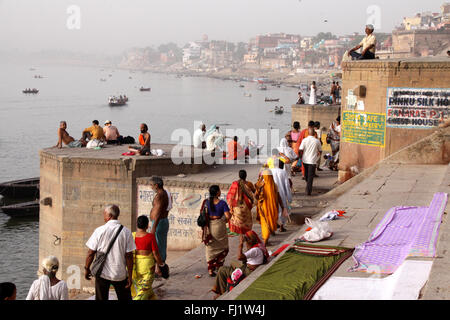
column 191, row 52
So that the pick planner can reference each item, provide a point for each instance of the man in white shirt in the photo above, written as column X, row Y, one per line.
column 199, row 137
column 310, row 150
column 118, row 267
column 368, row 45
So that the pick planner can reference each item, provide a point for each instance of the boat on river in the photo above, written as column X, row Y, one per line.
column 32, row 91
column 272, row 100
column 117, row 101
column 24, row 209
column 145, row 89
column 20, row 189
column 279, row 110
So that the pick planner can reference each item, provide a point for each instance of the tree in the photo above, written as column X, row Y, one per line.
column 324, row 36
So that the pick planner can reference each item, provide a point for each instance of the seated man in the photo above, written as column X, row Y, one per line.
column 95, row 132
column 368, row 44
column 300, row 100
column 111, row 133
column 63, row 136
column 249, row 261
column 144, row 141
column 235, row 150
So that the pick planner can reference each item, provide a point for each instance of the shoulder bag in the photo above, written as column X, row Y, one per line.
column 100, row 257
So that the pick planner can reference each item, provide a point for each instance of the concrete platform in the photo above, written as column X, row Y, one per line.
column 366, row 204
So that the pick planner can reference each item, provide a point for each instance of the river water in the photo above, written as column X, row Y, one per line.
column 29, row 123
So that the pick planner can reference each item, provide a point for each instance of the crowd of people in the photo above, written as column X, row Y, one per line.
column 131, row 261
column 214, row 141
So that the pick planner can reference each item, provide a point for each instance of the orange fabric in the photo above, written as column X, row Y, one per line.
column 304, row 135
column 235, row 150
column 141, row 140
column 267, row 207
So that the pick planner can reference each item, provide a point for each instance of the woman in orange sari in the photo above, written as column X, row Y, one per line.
column 241, row 200
column 268, row 202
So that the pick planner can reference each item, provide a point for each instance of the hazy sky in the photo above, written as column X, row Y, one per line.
column 111, row 26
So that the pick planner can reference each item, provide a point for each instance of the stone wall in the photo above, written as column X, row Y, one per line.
column 377, row 76
column 80, row 187
column 324, row 114
column 188, row 196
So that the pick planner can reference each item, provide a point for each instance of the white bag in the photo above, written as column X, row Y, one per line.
column 94, row 144
column 319, row 231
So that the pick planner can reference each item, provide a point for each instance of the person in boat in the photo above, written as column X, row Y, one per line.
column 48, row 286
column 144, row 141
column 94, row 132
column 111, row 133
column 64, row 137
column 249, row 261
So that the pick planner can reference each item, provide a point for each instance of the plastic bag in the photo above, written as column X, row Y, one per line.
column 319, row 231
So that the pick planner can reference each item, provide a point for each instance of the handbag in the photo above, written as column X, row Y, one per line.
column 201, row 220
column 100, row 257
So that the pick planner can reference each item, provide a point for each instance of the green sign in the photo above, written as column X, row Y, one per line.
column 364, row 128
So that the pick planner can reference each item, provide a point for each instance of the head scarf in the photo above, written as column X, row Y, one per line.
column 251, row 235
column 51, row 263
column 211, row 130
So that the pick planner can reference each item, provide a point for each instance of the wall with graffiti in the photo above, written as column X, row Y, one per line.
column 184, row 234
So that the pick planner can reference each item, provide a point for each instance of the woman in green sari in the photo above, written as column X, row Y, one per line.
column 145, row 258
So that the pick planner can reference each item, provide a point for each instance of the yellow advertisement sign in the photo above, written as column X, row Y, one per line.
column 364, row 128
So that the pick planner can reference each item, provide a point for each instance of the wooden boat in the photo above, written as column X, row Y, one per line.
column 279, row 110
column 145, row 89
column 25, row 188
column 25, row 209
column 272, row 100
column 117, row 103
column 33, row 91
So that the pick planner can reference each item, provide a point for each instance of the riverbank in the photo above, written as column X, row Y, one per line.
column 323, row 78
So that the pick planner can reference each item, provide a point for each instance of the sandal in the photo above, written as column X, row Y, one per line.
column 212, row 274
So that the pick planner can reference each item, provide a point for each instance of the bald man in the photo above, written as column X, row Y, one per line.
column 310, row 150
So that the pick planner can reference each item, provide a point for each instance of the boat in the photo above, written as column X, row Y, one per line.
column 262, row 87
column 246, row 94
column 38, row 77
column 117, row 101
column 25, row 188
column 279, row 110
column 241, row 86
column 33, row 91
column 272, row 100
column 30, row 208
column 145, row 89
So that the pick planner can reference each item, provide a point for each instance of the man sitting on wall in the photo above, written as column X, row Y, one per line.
column 368, row 45
column 111, row 133
column 144, row 141
column 63, row 136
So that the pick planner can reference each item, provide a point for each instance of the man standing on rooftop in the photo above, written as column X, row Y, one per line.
column 368, row 45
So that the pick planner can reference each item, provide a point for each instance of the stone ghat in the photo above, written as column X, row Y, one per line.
column 81, row 182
